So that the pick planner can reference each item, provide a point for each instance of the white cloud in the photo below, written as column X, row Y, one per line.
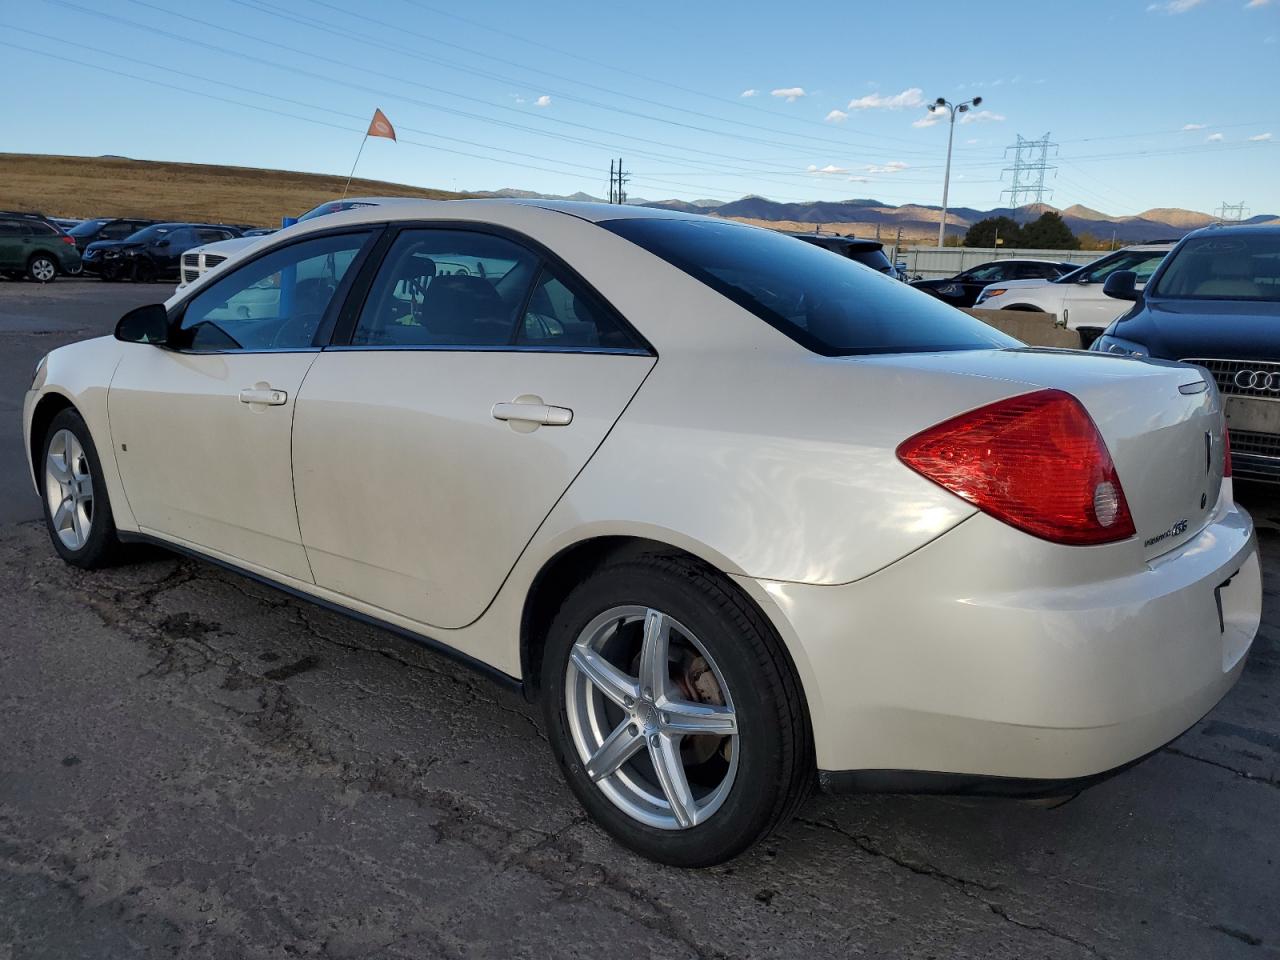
column 750, row 93
column 789, row 94
column 971, row 141
column 1214, row 138
column 829, row 170
column 893, row 166
column 542, row 101
column 836, row 116
column 519, row 99
column 1194, row 126
column 928, row 120
column 857, row 179
column 982, row 116
column 1173, row 6
column 911, row 97
column 1260, row 138
column 1256, row 3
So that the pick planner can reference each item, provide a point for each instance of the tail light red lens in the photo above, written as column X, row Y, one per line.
column 1036, row 462
column 67, row 239
column 1226, row 453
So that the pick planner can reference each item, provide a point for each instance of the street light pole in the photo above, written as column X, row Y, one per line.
column 942, row 103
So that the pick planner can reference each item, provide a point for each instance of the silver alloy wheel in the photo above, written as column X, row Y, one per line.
column 68, row 489
column 641, row 737
column 42, row 269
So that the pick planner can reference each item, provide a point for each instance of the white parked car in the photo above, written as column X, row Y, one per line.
column 200, row 260
column 1077, row 297
column 741, row 513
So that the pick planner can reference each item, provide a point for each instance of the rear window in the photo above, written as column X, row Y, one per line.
column 86, row 228
column 1224, row 268
column 824, row 302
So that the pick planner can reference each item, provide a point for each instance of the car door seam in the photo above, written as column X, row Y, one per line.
column 293, row 480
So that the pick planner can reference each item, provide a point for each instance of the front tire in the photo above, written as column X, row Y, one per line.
column 42, row 268
column 674, row 712
column 77, row 510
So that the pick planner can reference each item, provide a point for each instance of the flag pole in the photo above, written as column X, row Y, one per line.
column 353, row 166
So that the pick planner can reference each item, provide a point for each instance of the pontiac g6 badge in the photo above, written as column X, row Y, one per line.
column 1178, row 529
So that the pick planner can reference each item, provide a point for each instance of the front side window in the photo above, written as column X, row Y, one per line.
column 13, row 228
column 1224, row 268
column 562, row 316
column 275, row 302
column 828, row 305
column 985, row 273
column 446, row 288
column 1143, row 263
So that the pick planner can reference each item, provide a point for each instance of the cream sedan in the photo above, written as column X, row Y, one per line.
column 741, row 513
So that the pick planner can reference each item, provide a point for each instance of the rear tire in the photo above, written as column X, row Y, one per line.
column 144, row 271
column 681, row 799
column 42, row 268
column 77, row 510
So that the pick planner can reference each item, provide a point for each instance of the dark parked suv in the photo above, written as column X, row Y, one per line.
column 32, row 246
column 869, row 253
column 1215, row 302
column 153, row 253
column 106, row 228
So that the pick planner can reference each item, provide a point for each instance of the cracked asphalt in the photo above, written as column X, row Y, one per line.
column 193, row 765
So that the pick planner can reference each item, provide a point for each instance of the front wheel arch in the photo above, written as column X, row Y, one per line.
column 48, row 407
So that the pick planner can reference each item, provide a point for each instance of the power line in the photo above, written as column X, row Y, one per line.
column 1030, row 163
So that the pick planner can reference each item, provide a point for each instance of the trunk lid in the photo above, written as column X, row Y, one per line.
column 1161, row 421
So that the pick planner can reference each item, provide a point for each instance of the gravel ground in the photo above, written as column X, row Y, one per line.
column 194, row 765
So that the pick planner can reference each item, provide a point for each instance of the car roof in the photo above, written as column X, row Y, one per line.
column 1237, row 229
column 862, row 243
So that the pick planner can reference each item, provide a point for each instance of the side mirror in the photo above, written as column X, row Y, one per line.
column 1122, row 285
column 146, row 324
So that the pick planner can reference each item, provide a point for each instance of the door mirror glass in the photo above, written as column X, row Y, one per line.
column 1122, row 285
column 146, row 324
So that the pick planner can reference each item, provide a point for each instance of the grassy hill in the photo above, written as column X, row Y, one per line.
column 115, row 186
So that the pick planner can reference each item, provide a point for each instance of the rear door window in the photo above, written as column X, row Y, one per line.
column 562, row 316
column 446, row 288
column 828, row 305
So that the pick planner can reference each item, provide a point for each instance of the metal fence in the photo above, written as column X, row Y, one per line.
column 931, row 263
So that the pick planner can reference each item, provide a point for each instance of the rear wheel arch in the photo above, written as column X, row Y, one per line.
column 566, row 569
column 1024, row 308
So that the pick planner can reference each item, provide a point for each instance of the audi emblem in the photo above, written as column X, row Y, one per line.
column 1268, row 381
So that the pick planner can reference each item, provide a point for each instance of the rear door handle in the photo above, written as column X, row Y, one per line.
column 268, row 396
column 531, row 411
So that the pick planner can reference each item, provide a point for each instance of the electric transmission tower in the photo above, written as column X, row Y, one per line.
column 1232, row 212
column 618, row 179
column 1030, row 164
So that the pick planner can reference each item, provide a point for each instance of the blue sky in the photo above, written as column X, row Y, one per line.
column 1167, row 103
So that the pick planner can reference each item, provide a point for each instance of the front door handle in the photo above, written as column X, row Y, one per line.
column 268, row 396
column 528, row 412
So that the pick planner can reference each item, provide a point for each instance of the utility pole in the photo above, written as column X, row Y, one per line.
column 1232, row 212
column 942, row 103
column 1030, row 163
column 618, row 181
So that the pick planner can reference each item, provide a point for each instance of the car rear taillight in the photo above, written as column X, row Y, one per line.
column 67, row 239
column 1226, row 453
column 1036, row 462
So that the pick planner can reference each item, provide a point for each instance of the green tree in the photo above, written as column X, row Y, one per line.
column 1050, row 232
column 984, row 233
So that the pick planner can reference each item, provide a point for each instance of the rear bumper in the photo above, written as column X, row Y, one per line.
column 989, row 657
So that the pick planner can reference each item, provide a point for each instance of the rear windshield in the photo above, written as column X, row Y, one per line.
column 823, row 301
column 86, row 228
column 1224, row 268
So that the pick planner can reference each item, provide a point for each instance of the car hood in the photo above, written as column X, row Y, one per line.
column 227, row 247
column 1017, row 284
column 100, row 245
column 1222, row 329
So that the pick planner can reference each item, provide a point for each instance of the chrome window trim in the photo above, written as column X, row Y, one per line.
column 485, row 348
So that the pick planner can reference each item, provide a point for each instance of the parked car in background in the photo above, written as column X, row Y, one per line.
column 869, row 253
column 963, row 289
column 739, row 514
column 202, row 259
column 1077, row 297
column 33, row 246
column 1215, row 302
column 153, row 253
column 106, row 228
column 65, row 223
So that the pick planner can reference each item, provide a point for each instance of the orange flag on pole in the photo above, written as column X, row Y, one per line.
column 380, row 126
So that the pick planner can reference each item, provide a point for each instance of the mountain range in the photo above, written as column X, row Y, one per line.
column 917, row 220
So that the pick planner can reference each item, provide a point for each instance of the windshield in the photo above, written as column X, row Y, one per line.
column 86, row 228
column 333, row 206
column 1224, row 268
column 827, row 303
column 149, row 233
